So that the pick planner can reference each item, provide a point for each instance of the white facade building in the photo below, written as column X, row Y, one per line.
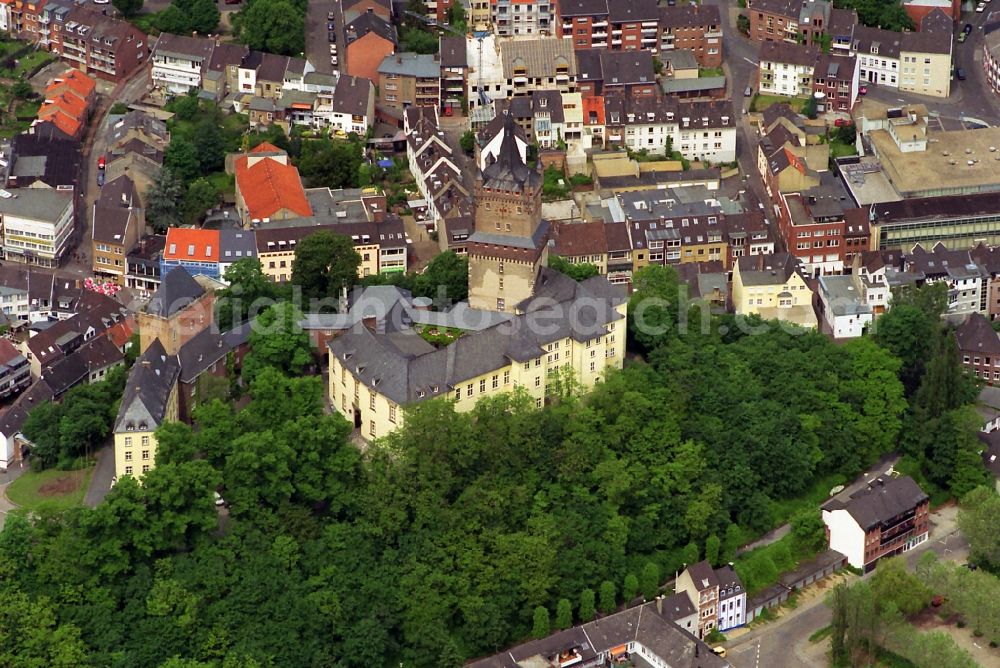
column 178, row 62
column 851, row 302
column 37, row 225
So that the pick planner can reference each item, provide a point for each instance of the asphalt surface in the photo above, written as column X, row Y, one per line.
column 317, row 40
column 100, row 481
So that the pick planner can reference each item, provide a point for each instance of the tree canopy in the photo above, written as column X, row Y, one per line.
column 324, row 264
column 275, row 26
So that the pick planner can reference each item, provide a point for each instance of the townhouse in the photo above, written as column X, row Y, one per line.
column 967, row 281
column 787, row 163
column 988, row 258
column 208, row 355
column 849, row 303
column 835, row 82
column 716, row 593
column 432, row 164
column 650, row 634
column 371, row 380
column 602, row 72
column 90, row 363
column 886, row 518
column 538, row 64
column 179, row 62
column 136, row 144
column 13, row 445
column 44, row 159
column 92, row 315
column 15, row 372
column 692, row 27
column 352, row 107
column 369, row 38
column 87, row 40
column 268, row 187
column 773, row 287
column 791, row 21
column 67, row 103
column 700, row 130
column 582, row 243
column 118, row 222
column 525, row 17
column 454, row 72
column 979, row 347
column 913, row 62
column 143, row 265
column 150, row 399
column 596, row 24
column 813, row 225
column 407, row 79
column 787, row 69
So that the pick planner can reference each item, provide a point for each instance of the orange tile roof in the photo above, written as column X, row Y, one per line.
column 269, row 186
column 186, row 244
column 75, row 80
column 70, row 103
column 60, row 119
column 593, row 103
column 266, row 147
column 121, row 332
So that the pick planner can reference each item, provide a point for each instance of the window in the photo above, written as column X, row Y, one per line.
column 506, row 377
column 392, row 413
column 482, row 385
column 145, row 454
column 145, row 468
column 468, row 391
column 538, row 381
column 128, row 470
column 496, row 381
column 128, row 439
column 458, row 394
column 128, row 456
column 371, row 428
column 145, row 440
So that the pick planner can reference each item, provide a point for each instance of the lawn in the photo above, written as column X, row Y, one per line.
column 710, row 72
column 29, row 64
column 784, row 509
column 52, row 488
column 762, row 102
column 839, row 149
column 224, row 183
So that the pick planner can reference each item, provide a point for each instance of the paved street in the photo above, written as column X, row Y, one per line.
column 7, row 477
column 784, row 643
column 100, row 481
column 317, row 40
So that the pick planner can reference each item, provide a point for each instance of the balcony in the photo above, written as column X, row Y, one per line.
column 599, row 34
column 600, row 24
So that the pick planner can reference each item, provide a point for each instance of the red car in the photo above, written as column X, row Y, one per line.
column 101, row 162
column 842, row 122
column 863, row 90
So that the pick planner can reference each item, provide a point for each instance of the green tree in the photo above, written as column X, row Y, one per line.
column 657, row 299
column 184, row 107
column 809, row 531
column 893, row 584
column 540, row 625
column 977, row 516
column 468, row 140
column 415, row 40
column 731, row 543
column 162, row 202
column 181, row 158
column 324, row 264
column 331, row 163
column 208, row 138
column 650, row 580
column 128, row 7
column 564, row 614
column 445, row 279
column 907, row 332
column 118, row 109
column 587, row 606
column 713, row 546
column 249, row 291
column 631, row 588
column 578, row 272
column 202, row 15
column 691, row 554
column 607, row 597
column 278, row 341
column 275, row 26
column 201, row 196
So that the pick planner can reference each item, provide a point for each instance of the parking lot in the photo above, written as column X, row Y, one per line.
column 943, row 123
column 317, row 42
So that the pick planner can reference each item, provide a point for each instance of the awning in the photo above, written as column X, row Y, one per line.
column 618, row 651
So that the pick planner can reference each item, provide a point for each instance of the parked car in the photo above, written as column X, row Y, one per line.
column 981, row 7
column 331, row 36
column 329, row 16
column 330, row 25
column 960, row 73
column 842, row 123
column 101, row 162
column 720, row 651
column 219, row 501
column 962, row 36
column 863, row 90
column 967, row 29
column 100, row 179
column 333, row 60
column 333, row 48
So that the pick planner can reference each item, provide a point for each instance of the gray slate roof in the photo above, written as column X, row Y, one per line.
column 882, row 500
column 208, row 347
column 37, row 203
column 177, row 289
column 147, row 390
column 419, row 65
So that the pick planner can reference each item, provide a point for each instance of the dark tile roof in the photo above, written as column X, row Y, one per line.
column 550, row 101
column 945, row 207
column 98, row 353
column 616, row 236
column 786, row 52
column 583, row 7
column 588, row 65
column 788, row 8
column 53, row 161
column 703, row 576
column 147, row 391
column 177, row 290
column 881, row 501
column 976, row 335
column 729, row 582
column 95, row 313
column 367, row 23
column 623, row 68
column 453, row 52
column 12, row 419
column 774, row 269
column 508, row 171
column 115, row 210
column 575, row 239
column 991, row 453
column 677, row 606
column 690, row 16
column 208, row 347
column 195, row 48
column 226, row 54
column 272, row 67
column 351, row 95
column 633, row 10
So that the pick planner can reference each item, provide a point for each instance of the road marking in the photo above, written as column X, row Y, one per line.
column 752, row 62
column 757, row 662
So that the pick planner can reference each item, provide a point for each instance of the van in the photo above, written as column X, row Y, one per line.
column 748, row 92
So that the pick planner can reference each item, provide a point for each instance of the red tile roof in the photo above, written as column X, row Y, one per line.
column 60, row 119
column 266, row 147
column 185, row 244
column 121, row 332
column 270, row 186
column 595, row 104
column 7, row 351
column 75, row 80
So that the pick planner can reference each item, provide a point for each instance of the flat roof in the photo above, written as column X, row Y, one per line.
column 866, row 181
column 933, row 169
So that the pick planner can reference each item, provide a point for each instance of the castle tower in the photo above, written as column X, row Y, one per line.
column 509, row 244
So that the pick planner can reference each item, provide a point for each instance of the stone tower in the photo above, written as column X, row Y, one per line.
column 509, row 244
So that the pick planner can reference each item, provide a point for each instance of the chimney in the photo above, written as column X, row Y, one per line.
column 659, row 604
column 145, row 364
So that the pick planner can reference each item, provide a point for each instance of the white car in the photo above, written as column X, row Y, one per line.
column 219, row 501
column 981, row 7
column 101, row 2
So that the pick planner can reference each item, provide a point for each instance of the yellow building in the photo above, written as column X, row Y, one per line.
column 566, row 327
column 149, row 400
column 772, row 286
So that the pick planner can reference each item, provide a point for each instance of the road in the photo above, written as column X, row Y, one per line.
column 7, row 477
column 317, row 41
column 784, row 643
column 100, row 481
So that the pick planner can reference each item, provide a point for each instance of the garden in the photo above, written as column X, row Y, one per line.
column 51, row 489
